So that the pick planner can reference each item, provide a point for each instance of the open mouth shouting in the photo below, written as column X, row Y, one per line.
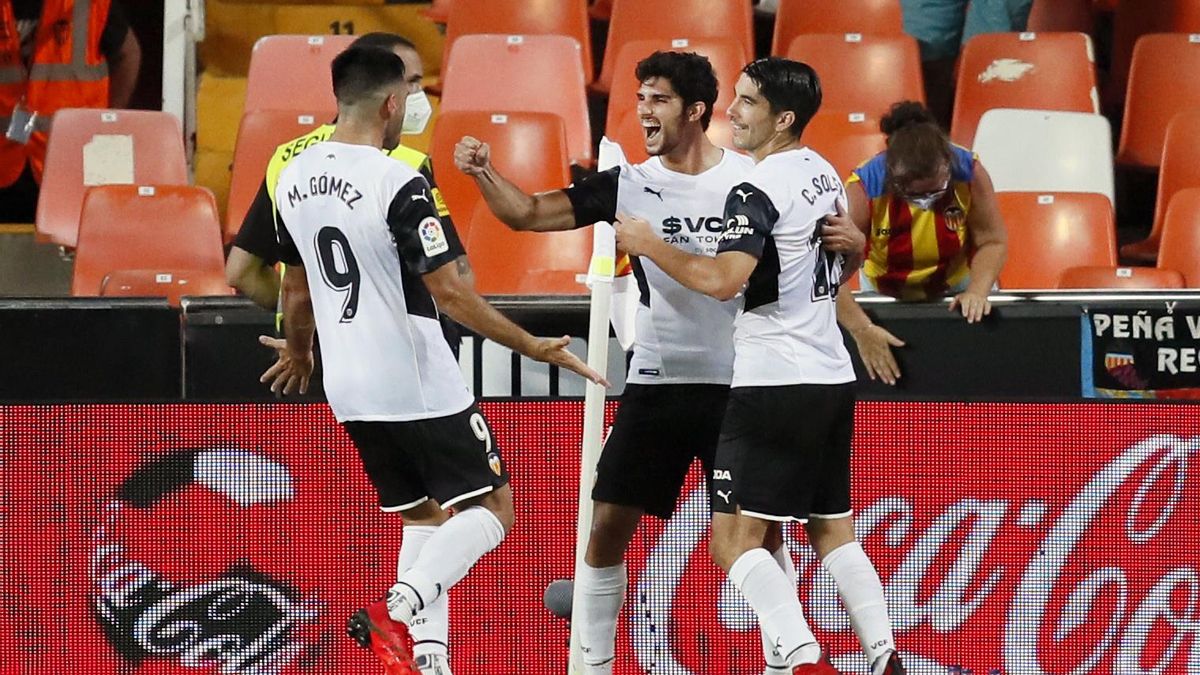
column 652, row 129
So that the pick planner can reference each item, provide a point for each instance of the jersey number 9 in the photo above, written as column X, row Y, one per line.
column 339, row 268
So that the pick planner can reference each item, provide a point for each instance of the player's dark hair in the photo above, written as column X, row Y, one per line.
column 917, row 147
column 787, row 85
column 381, row 40
column 690, row 75
column 360, row 72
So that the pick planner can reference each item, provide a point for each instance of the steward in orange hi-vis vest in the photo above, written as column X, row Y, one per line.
column 67, row 70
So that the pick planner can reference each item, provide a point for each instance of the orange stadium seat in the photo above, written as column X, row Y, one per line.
column 1119, row 278
column 674, row 19
column 845, row 139
column 1158, row 90
column 1061, row 16
column 291, row 72
column 526, row 263
column 623, row 125
column 523, row 17
column 1031, row 71
column 1180, row 249
column 529, row 148
column 1048, row 233
column 807, row 17
column 515, row 73
column 1135, row 18
column 171, row 284
column 862, row 72
column 260, row 132
column 97, row 147
column 1180, row 170
column 125, row 227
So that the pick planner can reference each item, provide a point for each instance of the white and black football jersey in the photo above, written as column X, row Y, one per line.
column 681, row 336
column 365, row 229
column 787, row 331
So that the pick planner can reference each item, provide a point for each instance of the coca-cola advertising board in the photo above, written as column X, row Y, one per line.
column 236, row 539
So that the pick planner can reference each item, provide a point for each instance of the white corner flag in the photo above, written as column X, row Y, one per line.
column 607, row 304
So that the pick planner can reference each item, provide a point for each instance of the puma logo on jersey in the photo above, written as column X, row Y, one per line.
column 656, row 193
column 420, row 197
column 725, row 494
column 721, row 474
column 743, row 195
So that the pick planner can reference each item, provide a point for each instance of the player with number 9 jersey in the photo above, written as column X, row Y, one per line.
column 365, row 229
column 375, row 269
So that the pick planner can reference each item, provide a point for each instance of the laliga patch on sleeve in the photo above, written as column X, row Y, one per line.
column 433, row 239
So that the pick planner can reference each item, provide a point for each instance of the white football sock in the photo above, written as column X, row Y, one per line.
column 776, row 665
column 602, row 592
column 862, row 594
column 444, row 560
column 765, row 586
column 430, row 628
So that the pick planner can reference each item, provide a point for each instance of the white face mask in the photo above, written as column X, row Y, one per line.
column 926, row 203
column 417, row 112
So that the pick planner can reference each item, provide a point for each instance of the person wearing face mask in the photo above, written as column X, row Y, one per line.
column 251, row 266
column 933, row 229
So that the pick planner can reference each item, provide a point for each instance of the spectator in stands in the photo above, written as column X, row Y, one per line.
column 942, row 26
column 933, row 229
column 255, row 252
column 55, row 54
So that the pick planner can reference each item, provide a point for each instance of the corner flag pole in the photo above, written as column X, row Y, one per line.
column 600, row 279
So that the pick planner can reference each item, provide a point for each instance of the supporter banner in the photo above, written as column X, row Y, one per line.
column 236, row 539
column 1141, row 353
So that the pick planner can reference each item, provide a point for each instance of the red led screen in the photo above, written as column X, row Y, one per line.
column 1029, row 538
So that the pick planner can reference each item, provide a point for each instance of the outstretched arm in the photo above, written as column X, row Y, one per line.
column 431, row 248
column 721, row 277
column 541, row 212
column 749, row 218
column 455, row 297
column 986, row 229
column 874, row 342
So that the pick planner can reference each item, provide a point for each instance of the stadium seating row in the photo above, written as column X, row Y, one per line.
column 1132, row 20
column 1052, row 156
column 1052, row 72
column 133, row 235
column 116, row 190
